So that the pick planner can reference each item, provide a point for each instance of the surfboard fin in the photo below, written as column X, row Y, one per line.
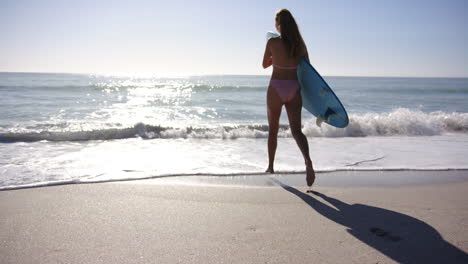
column 319, row 121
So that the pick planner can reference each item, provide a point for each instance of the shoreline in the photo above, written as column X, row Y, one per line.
column 336, row 178
column 167, row 223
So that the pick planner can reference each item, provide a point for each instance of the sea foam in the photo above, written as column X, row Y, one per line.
column 400, row 122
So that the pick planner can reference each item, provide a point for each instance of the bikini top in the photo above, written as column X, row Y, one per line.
column 285, row 67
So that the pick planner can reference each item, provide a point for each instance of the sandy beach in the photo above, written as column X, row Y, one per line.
column 135, row 222
column 143, row 131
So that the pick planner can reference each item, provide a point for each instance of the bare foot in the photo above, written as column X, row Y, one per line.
column 310, row 178
column 270, row 170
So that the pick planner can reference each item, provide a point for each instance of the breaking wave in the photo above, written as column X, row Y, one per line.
column 400, row 122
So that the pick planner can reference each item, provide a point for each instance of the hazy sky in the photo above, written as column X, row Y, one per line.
column 348, row 37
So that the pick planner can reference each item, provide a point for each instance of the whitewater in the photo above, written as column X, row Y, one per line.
column 69, row 128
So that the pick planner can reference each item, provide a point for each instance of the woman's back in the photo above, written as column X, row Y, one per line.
column 284, row 66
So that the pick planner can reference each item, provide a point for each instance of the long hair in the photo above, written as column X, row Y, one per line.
column 289, row 32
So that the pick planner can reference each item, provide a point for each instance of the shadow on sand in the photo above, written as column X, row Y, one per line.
column 400, row 237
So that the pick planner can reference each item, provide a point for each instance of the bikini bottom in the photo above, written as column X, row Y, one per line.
column 286, row 89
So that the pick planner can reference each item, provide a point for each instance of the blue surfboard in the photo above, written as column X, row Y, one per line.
column 317, row 96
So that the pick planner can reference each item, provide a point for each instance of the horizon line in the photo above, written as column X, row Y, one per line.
column 171, row 75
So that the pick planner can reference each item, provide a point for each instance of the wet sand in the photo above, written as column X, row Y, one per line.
column 137, row 222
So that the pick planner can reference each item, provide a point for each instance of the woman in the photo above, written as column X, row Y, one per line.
column 284, row 53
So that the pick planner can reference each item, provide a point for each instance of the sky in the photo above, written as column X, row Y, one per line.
column 407, row 38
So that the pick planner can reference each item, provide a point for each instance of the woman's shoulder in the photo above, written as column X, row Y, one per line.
column 274, row 39
column 274, row 42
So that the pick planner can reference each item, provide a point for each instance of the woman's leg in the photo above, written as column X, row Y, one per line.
column 274, row 112
column 293, row 108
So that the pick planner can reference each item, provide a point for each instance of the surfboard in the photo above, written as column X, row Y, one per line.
column 317, row 96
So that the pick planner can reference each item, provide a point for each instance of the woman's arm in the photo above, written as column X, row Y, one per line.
column 267, row 57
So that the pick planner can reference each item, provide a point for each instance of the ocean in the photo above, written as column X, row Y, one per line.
column 67, row 128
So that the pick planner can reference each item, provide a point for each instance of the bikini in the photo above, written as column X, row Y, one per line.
column 286, row 89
